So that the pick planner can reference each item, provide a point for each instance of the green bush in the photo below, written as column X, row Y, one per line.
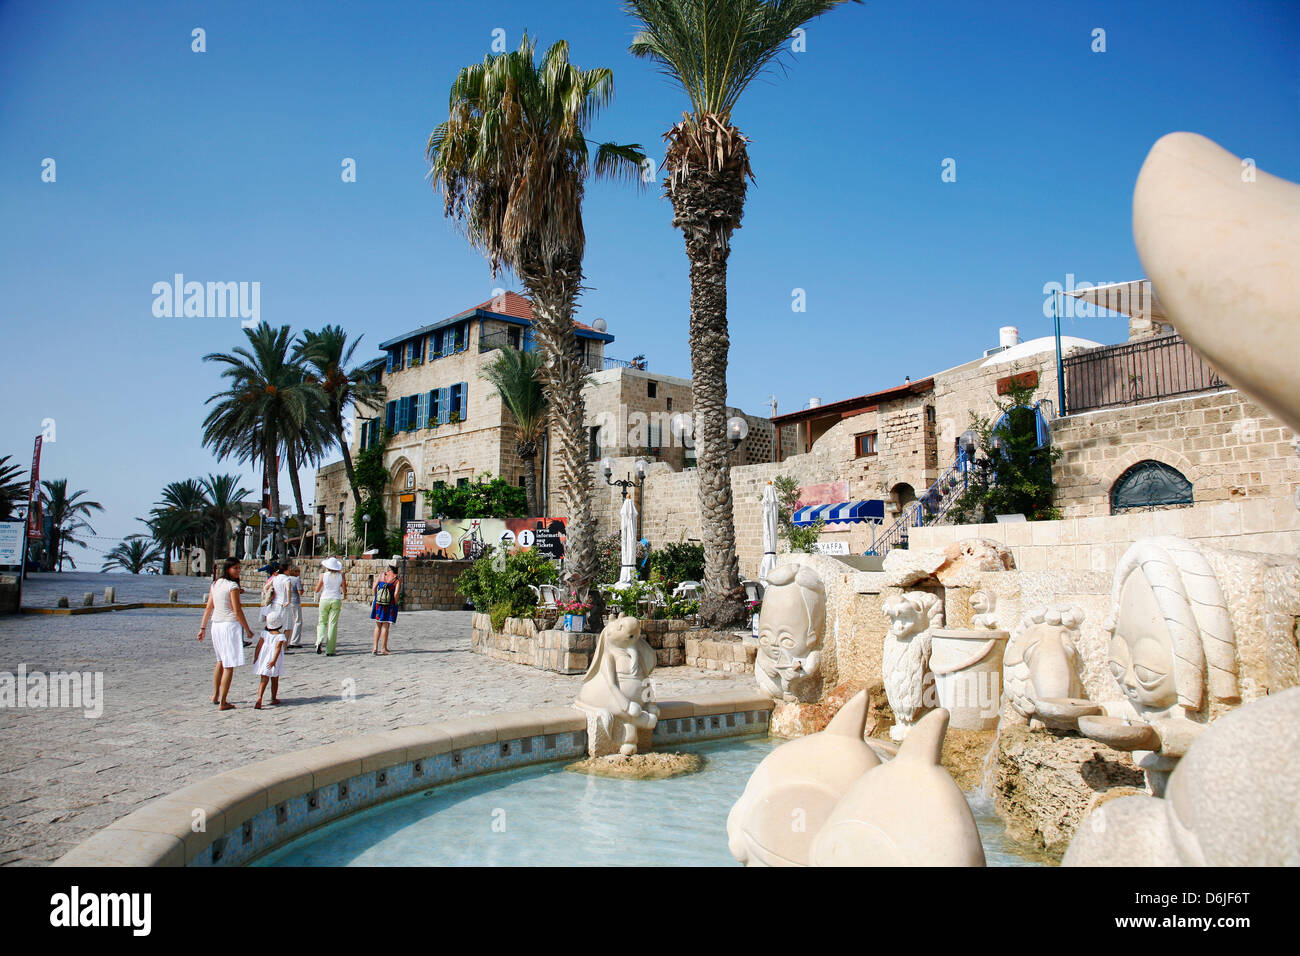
column 798, row 539
column 609, row 552
column 506, row 593
column 676, row 562
column 485, row 498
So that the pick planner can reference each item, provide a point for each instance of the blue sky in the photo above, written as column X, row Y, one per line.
column 225, row 166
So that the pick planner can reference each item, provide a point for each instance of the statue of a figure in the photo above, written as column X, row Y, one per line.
column 1041, row 669
column 984, row 604
column 906, row 656
column 616, row 693
column 790, row 627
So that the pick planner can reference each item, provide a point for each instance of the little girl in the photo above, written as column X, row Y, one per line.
column 270, row 659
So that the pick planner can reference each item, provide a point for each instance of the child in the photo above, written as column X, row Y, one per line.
column 269, row 654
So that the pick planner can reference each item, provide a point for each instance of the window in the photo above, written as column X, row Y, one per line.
column 864, row 444
column 670, row 403
column 462, row 482
column 414, row 352
column 390, row 416
column 651, row 389
column 394, row 360
column 436, row 343
column 593, row 443
column 458, row 396
column 1149, row 485
column 929, row 414
column 437, row 407
column 422, row 410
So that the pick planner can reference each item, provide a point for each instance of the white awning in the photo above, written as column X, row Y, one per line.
column 1136, row 298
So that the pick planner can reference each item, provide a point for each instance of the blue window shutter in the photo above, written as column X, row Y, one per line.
column 391, row 357
column 390, row 416
column 412, row 407
column 443, row 402
column 464, row 401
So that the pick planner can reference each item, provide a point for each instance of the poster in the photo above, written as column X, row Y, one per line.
column 463, row 538
column 828, row 493
column 11, row 542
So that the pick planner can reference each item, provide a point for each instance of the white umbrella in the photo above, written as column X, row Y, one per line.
column 769, row 532
column 627, row 543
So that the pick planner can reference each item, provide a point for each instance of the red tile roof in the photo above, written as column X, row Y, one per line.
column 517, row 307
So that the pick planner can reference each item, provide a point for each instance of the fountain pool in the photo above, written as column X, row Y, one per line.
column 547, row 816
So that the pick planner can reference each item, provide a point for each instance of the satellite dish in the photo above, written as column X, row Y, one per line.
column 600, row 325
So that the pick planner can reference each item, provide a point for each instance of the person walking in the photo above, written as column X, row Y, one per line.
column 333, row 590
column 293, row 613
column 226, row 612
column 269, row 664
column 388, row 588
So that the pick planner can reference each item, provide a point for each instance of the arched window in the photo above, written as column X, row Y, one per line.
column 1150, row 484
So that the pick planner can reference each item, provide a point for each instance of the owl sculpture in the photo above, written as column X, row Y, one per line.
column 906, row 656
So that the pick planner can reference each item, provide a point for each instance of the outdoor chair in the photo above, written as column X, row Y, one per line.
column 653, row 599
column 753, row 590
column 547, row 596
column 691, row 590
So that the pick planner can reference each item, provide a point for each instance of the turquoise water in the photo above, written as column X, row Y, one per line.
column 546, row 816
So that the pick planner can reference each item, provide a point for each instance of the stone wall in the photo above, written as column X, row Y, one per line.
column 521, row 641
column 1227, row 446
column 426, row 585
column 1261, row 525
column 713, row 651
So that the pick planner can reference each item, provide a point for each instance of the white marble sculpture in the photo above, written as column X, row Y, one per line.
column 906, row 656
column 907, row 812
column 1172, row 650
column 984, row 604
column 1230, row 802
column 1041, row 669
column 790, row 794
column 967, row 668
column 1220, row 241
column 790, row 628
column 616, row 693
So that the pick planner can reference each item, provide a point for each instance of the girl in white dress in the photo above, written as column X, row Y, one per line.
column 229, row 626
column 270, row 657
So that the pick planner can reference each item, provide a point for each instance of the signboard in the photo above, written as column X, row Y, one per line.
column 34, row 524
column 828, row 493
column 11, row 542
column 459, row 538
column 831, row 547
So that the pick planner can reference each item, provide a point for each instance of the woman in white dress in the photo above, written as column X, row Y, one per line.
column 229, row 626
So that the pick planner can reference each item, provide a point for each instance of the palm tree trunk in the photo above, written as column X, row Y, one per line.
column 272, row 477
column 347, row 460
column 553, row 292
column 530, row 477
column 293, row 481
column 707, row 207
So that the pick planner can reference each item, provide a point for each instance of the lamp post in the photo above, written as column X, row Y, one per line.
column 365, row 540
column 607, row 469
column 266, row 520
column 737, row 429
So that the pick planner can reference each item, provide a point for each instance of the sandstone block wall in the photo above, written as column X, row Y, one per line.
column 522, row 641
column 426, row 585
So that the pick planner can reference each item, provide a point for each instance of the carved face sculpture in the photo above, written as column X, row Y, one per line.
column 905, row 619
column 1141, row 650
column 981, row 602
column 793, row 615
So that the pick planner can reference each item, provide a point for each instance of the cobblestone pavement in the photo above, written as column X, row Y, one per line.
column 63, row 775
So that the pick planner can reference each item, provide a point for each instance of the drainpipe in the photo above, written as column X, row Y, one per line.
column 1060, row 371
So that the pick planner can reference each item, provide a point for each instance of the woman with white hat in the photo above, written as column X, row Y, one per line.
column 333, row 590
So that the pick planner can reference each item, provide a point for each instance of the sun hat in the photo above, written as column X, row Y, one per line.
column 332, row 564
column 393, row 562
column 274, row 619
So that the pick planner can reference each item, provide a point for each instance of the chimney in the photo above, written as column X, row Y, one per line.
column 1008, row 336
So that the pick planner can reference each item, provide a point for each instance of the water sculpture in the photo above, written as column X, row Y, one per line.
column 1231, row 801
column 967, row 668
column 790, row 628
column 1172, row 650
column 984, row 604
column 907, row 812
column 1041, row 669
column 792, row 792
column 906, row 656
column 616, row 693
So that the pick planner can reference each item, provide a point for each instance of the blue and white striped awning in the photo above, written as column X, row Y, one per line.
column 841, row 512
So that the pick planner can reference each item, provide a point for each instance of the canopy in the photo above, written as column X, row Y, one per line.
column 627, row 544
column 841, row 512
column 1127, row 298
column 770, row 521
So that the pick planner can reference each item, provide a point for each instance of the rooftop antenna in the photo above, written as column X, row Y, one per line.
column 771, row 400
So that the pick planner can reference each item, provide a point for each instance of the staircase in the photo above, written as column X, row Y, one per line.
column 930, row 508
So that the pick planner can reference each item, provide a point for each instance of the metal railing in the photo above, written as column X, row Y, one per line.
column 503, row 339
column 1135, row 372
column 930, row 508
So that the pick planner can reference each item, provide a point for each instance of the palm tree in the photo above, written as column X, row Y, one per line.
column 223, row 498
column 68, row 514
column 514, row 374
column 713, row 49
column 133, row 555
column 12, row 490
column 268, row 401
column 512, row 162
column 178, row 522
column 328, row 357
column 308, row 440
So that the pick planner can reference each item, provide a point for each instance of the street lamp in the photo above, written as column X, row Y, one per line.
column 266, row 520
column 365, row 531
column 607, row 469
column 737, row 429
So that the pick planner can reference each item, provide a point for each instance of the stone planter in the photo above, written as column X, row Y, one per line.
column 967, row 668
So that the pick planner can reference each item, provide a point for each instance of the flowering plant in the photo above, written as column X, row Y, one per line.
column 753, row 606
column 570, row 606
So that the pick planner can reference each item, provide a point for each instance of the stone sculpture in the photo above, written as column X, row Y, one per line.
column 1231, row 801
column 906, row 656
column 967, row 668
column 908, row 812
column 1172, row 650
column 1041, row 669
column 1220, row 241
column 984, row 604
column 790, row 629
column 616, row 693
column 792, row 792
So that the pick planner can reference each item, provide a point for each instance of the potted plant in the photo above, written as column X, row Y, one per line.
column 575, row 614
column 754, row 608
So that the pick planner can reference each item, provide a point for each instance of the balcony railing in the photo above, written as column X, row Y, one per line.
column 505, row 339
column 1135, row 372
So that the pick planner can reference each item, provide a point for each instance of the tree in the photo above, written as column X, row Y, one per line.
column 268, row 401
column 223, row 498
column 67, row 514
column 372, row 478
column 133, row 555
column 798, row 539
column 512, row 162
column 1012, row 470
column 713, row 50
column 12, row 489
column 177, row 523
column 514, row 374
column 328, row 357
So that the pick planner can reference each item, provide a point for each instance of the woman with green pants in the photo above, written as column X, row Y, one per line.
column 333, row 590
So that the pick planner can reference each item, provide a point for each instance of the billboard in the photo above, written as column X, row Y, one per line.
column 460, row 538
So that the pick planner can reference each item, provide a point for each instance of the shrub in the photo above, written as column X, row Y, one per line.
column 678, row 561
column 796, row 538
column 505, row 592
column 609, row 553
column 485, row 498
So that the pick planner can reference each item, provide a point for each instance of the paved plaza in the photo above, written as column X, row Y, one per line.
column 64, row 775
